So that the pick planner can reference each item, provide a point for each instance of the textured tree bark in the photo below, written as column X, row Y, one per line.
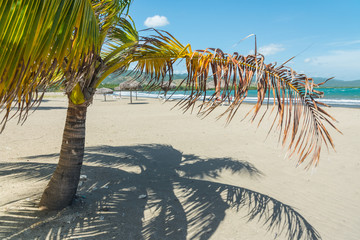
column 63, row 184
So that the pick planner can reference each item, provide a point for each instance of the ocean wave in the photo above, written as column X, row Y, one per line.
column 352, row 102
column 178, row 96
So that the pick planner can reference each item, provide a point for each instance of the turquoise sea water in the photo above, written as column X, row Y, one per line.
column 341, row 93
column 337, row 97
column 344, row 97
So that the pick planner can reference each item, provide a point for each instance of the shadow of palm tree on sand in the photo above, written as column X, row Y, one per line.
column 159, row 196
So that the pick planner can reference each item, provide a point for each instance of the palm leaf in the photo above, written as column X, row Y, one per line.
column 108, row 13
column 299, row 117
column 122, row 39
column 36, row 37
column 42, row 41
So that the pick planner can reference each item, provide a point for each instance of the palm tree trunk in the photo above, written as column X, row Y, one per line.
column 63, row 184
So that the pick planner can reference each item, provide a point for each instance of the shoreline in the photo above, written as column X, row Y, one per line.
column 249, row 100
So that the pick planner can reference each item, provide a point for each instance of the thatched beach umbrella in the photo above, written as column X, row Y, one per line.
column 118, row 89
column 130, row 85
column 166, row 86
column 217, row 87
column 104, row 91
column 210, row 85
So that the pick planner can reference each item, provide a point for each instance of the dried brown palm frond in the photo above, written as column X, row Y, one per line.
column 300, row 117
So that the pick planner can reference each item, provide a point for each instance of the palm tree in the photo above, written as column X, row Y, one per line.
column 58, row 42
column 99, row 40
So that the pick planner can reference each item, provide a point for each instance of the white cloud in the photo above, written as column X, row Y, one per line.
column 348, row 59
column 344, row 43
column 156, row 21
column 180, row 71
column 271, row 49
column 342, row 64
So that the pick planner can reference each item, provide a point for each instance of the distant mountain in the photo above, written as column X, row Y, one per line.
column 334, row 83
column 117, row 79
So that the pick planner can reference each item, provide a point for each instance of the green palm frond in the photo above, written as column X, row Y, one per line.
column 108, row 13
column 156, row 55
column 42, row 41
column 36, row 38
column 299, row 116
column 122, row 34
column 117, row 51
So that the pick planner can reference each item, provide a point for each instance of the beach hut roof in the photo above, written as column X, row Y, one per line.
column 166, row 86
column 130, row 85
column 210, row 85
column 104, row 91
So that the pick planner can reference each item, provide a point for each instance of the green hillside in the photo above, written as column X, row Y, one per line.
column 115, row 79
column 335, row 83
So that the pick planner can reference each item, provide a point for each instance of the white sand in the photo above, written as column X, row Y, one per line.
column 179, row 154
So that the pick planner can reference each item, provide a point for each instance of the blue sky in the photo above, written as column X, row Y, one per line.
column 323, row 35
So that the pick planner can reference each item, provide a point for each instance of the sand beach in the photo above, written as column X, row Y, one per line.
column 155, row 173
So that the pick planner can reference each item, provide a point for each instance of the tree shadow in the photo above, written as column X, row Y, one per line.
column 138, row 103
column 34, row 108
column 48, row 108
column 155, row 197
